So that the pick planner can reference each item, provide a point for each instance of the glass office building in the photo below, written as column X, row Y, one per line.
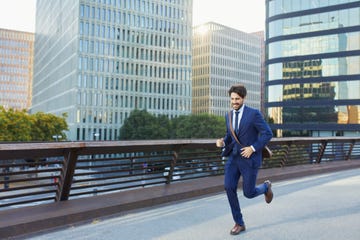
column 222, row 57
column 313, row 67
column 98, row 60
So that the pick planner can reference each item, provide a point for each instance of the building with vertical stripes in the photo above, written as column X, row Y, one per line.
column 16, row 68
column 98, row 60
column 222, row 57
column 313, row 67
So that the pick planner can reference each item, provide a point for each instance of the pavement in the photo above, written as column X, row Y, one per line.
column 36, row 221
column 322, row 207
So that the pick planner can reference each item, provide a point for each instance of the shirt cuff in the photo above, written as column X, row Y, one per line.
column 252, row 148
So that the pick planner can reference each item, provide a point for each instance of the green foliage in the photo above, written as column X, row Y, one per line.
column 45, row 126
column 20, row 126
column 14, row 125
column 143, row 125
column 199, row 126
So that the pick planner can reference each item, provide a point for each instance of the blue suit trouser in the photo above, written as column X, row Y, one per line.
column 234, row 168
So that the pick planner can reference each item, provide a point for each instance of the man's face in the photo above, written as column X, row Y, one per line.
column 236, row 101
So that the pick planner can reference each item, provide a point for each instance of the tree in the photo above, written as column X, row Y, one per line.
column 18, row 125
column 14, row 125
column 143, row 125
column 45, row 126
column 163, row 127
column 199, row 126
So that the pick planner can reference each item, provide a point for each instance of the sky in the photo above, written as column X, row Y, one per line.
column 244, row 15
column 18, row 15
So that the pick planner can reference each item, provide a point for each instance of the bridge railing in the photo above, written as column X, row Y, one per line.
column 36, row 173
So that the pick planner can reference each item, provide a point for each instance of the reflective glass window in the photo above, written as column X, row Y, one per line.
column 344, row 90
column 340, row 114
column 275, row 93
column 326, row 67
column 315, row 45
column 277, row 7
column 315, row 22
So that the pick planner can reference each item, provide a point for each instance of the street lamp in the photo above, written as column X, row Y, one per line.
column 56, row 137
column 96, row 135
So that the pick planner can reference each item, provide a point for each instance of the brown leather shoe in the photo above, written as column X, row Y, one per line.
column 237, row 229
column 269, row 194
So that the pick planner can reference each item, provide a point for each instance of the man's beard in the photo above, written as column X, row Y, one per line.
column 237, row 106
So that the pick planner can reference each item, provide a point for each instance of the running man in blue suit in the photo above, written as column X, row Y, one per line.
column 244, row 159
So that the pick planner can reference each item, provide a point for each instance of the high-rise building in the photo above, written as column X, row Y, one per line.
column 313, row 67
column 261, row 34
column 223, row 56
column 99, row 60
column 16, row 69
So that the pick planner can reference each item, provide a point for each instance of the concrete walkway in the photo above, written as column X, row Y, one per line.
column 321, row 207
column 23, row 222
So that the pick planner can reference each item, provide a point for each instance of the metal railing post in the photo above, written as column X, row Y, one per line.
column 67, row 175
column 173, row 164
column 347, row 157
column 321, row 151
column 285, row 156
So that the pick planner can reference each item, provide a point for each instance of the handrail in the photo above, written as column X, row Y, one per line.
column 36, row 173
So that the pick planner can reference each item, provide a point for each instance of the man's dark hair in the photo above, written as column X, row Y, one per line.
column 239, row 89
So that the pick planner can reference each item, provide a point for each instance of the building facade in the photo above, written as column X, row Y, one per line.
column 16, row 68
column 261, row 35
column 313, row 67
column 99, row 60
column 222, row 57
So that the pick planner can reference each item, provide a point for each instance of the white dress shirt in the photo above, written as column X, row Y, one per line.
column 241, row 110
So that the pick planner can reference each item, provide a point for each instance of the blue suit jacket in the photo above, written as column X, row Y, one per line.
column 253, row 130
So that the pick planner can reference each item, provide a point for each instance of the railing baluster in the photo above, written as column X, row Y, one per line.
column 175, row 156
column 65, row 182
column 347, row 157
column 284, row 159
column 321, row 151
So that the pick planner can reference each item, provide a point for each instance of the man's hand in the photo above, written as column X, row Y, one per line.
column 246, row 152
column 220, row 142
